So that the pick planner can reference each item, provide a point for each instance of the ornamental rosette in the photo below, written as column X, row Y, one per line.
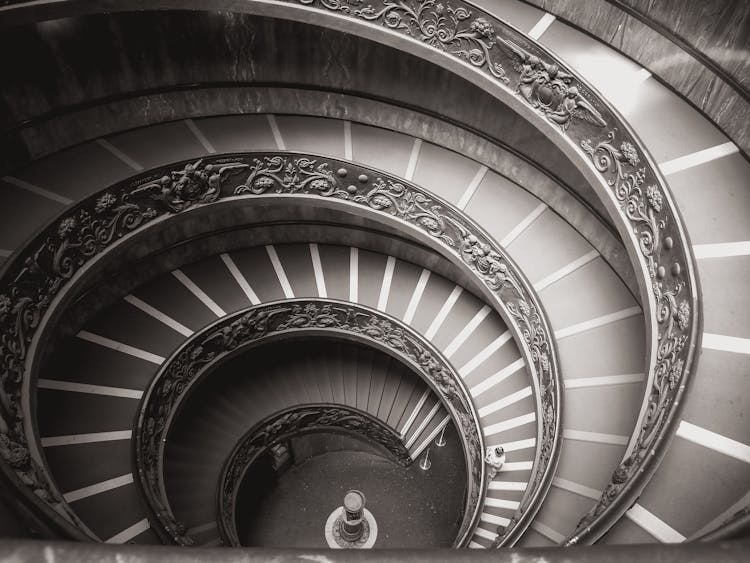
column 482, row 27
column 66, row 227
column 18, row 457
column 15, row 454
column 381, row 202
column 655, row 199
column 544, row 362
column 683, row 315
column 320, row 184
column 630, row 154
column 263, row 183
column 620, row 475
column 675, row 373
column 524, row 308
column 196, row 352
column 105, row 202
column 5, row 305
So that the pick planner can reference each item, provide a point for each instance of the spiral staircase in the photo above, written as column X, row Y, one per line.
column 545, row 243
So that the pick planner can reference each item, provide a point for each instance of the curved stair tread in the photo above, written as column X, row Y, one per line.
column 170, row 296
column 149, row 148
column 214, row 278
column 315, row 135
column 23, row 212
column 60, row 177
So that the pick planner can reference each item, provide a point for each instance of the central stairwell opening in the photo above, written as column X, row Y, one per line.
column 287, row 493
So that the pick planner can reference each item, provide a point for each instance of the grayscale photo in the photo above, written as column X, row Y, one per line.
column 425, row 281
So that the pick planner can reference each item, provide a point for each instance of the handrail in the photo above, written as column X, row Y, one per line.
column 296, row 318
column 284, row 425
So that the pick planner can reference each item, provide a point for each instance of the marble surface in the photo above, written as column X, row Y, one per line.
column 677, row 68
column 77, row 63
column 719, row 30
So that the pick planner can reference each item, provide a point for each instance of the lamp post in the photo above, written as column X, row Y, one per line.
column 352, row 526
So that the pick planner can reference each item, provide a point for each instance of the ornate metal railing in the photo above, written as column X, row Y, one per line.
column 202, row 352
column 283, row 426
column 37, row 279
